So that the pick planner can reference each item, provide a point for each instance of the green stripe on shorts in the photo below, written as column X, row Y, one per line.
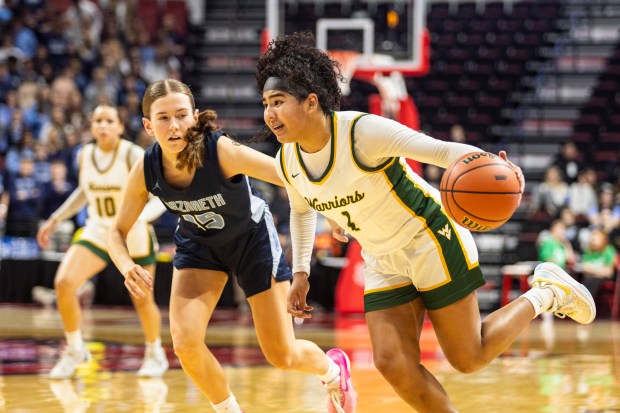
column 460, row 286
column 148, row 259
column 94, row 249
column 381, row 300
column 464, row 279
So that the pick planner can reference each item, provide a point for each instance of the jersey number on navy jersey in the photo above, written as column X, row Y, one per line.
column 106, row 207
column 208, row 220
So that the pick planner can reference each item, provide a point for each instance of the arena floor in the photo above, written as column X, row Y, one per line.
column 553, row 367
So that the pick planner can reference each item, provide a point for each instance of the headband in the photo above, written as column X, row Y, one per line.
column 277, row 83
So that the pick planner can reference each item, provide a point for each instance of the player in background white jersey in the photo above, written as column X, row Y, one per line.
column 350, row 167
column 104, row 166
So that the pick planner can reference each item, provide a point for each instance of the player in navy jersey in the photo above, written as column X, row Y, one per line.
column 225, row 227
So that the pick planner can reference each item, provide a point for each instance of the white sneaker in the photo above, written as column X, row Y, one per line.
column 44, row 296
column 155, row 363
column 68, row 363
column 571, row 299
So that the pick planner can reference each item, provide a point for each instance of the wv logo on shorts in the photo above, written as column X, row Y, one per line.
column 445, row 231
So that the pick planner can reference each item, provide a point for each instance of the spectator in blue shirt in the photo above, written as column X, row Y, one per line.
column 23, row 197
column 57, row 190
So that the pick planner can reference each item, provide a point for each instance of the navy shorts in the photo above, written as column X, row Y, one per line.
column 253, row 257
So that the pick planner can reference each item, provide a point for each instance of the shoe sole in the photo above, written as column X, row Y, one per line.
column 152, row 376
column 576, row 288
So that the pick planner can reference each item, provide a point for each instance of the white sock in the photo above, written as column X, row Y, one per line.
column 154, row 345
column 540, row 298
column 229, row 405
column 332, row 374
column 75, row 340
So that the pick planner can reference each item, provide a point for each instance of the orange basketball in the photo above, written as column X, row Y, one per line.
column 480, row 191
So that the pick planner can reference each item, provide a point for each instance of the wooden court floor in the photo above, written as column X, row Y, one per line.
column 554, row 367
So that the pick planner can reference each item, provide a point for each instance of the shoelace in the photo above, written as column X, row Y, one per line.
column 567, row 310
column 335, row 397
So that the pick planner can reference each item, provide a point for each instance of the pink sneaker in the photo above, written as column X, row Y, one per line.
column 341, row 397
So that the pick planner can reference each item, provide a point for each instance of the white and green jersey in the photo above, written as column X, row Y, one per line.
column 361, row 180
column 103, row 176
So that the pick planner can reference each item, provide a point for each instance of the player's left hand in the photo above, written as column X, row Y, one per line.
column 337, row 231
column 296, row 303
column 518, row 171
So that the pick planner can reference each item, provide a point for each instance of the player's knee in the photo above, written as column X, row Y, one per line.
column 465, row 363
column 65, row 285
column 283, row 360
column 185, row 347
column 142, row 303
column 388, row 364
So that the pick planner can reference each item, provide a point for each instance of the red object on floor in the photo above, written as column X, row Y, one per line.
column 511, row 272
column 350, row 287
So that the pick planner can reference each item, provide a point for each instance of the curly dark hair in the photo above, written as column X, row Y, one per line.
column 193, row 154
column 294, row 58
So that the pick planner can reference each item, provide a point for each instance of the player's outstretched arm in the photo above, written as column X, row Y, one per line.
column 76, row 201
column 135, row 196
column 236, row 158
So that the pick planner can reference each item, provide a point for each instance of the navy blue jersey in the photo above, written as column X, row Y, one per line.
column 213, row 210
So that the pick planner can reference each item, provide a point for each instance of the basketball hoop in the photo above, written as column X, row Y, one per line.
column 348, row 60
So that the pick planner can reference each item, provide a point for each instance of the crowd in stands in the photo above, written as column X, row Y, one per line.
column 584, row 235
column 55, row 67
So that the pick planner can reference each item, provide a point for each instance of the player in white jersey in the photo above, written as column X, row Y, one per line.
column 350, row 167
column 103, row 170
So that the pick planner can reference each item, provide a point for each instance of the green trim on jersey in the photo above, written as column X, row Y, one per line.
column 381, row 300
column 424, row 207
column 103, row 254
column 332, row 155
column 94, row 161
column 283, row 164
column 357, row 162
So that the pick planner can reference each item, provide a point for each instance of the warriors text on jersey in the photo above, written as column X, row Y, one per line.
column 383, row 207
column 103, row 182
column 211, row 203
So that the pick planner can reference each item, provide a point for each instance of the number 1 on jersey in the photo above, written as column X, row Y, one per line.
column 350, row 223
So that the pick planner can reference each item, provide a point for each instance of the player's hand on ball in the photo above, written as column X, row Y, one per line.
column 502, row 154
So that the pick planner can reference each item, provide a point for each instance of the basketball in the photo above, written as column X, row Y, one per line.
column 480, row 191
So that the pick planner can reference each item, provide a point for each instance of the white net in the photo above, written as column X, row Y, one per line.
column 348, row 60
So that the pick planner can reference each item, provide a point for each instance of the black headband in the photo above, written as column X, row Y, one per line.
column 277, row 83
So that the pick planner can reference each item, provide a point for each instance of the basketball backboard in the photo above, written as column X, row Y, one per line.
column 389, row 35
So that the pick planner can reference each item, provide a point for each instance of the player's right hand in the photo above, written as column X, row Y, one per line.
column 138, row 281
column 296, row 303
column 44, row 232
